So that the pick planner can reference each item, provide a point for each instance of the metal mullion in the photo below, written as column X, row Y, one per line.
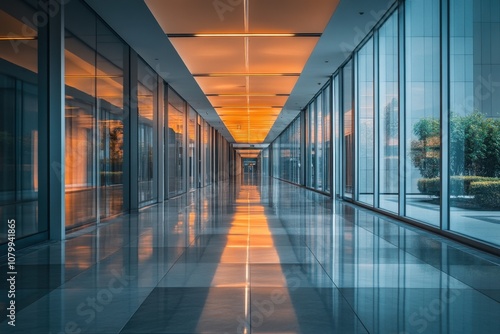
column 376, row 121
column 401, row 110
column 445, row 119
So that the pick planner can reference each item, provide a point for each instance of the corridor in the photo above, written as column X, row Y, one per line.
column 254, row 256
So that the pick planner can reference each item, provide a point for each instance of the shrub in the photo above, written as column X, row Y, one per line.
column 486, row 194
column 429, row 186
column 459, row 185
column 474, row 146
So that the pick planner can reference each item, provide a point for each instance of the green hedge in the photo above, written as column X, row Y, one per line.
column 429, row 186
column 459, row 185
column 108, row 178
column 486, row 193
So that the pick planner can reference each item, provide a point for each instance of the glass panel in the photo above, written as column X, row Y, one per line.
column 337, row 128
column 348, row 149
column 288, row 147
column 319, row 142
column 311, row 147
column 265, row 162
column 109, row 87
column 388, row 114
column 366, row 167
column 281, row 144
column 296, row 144
column 146, row 97
column 423, row 144
column 192, row 148
column 18, row 123
column 327, row 125
column 475, row 119
column 208, row 156
column 176, row 143
column 81, row 125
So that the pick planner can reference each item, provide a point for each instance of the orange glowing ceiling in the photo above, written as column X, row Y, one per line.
column 246, row 55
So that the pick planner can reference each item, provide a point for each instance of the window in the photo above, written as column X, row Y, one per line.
column 388, row 114
column 19, row 123
column 365, row 123
column 348, row 134
column 422, row 109
column 474, row 64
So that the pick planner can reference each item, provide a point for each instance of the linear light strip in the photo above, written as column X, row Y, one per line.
column 245, row 95
column 246, row 107
column 246, row 75
column 92, row 76
column 190, row 35
column 18, row 38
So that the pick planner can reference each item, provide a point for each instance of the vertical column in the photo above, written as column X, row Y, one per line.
column 130, row 150
column 51, row 168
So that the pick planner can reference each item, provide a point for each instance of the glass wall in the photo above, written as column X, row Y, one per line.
column 192, row 149
column 176, row 138
column 474, row 119
column 81, row 115
column 417, row 127
column 109, row 89
column 287, row 149
column 365, row 123
column 422, row 108
column 147, row 111
column 19, row 122
column 318, row 132
column 96, row 132
column 311, row 145
column 337, row 135
column 348, row 133
column 207, row 140
column 264, row 160
column 326, row 173
column 388, row 114
column 318, row 162
column 94, row 118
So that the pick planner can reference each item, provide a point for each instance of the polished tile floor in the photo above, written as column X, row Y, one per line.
column 254, row 256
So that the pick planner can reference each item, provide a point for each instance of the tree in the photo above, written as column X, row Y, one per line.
column 474, row 146
column 425, row 151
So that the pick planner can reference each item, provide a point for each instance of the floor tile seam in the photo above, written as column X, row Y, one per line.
column 428, row 234
column 135, row 312
column 339, row 291
column 336, row 287
column 248, row 283
column 419, row 259
column 431, row 264
column 29, row 250
column 440, row 239
column 190, row 246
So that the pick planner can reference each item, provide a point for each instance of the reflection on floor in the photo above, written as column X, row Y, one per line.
column 254, row 256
